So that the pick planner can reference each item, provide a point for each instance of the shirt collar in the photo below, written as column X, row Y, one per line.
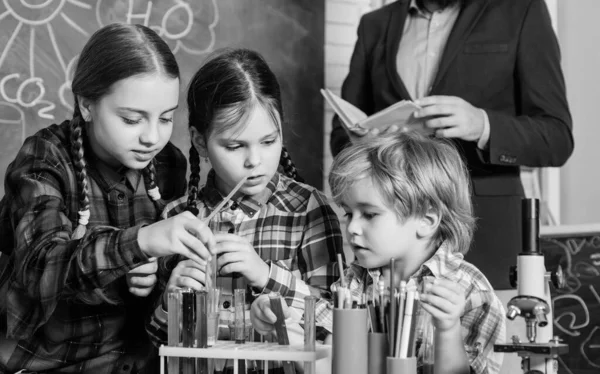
column 413, row 8
column 112, row 176
column 250, row 205
column 443, row 261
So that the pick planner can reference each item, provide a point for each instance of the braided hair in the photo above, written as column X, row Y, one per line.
column 113, row 53
column 221, row 95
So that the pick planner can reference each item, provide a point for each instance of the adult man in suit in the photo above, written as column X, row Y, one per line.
column 487, row 74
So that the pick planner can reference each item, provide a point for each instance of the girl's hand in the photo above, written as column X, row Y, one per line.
column 183, row 234
column 262, row 316
column 236, row 255
column 445, row 301
column 186, row 274
column 142, row 279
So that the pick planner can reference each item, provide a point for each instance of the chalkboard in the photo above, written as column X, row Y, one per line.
column 40, row 41
column 576, row 307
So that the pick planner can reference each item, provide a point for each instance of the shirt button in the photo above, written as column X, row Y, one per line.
column 121, row 197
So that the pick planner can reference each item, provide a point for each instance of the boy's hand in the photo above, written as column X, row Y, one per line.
column 183, row 234
column 445, row 301
column 263, row 318
column 237, row 255
column 142, row 279
column 186, row 274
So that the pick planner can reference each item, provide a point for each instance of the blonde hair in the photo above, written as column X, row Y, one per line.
column 414, row 174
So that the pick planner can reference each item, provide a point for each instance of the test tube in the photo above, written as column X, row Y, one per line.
column 201, row 333
column 174, row 303
column 187, row 324
column 239, row 302
column 310, row 333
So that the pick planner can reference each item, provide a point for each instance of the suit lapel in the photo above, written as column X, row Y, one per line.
column 468, row 17
column 398, row 14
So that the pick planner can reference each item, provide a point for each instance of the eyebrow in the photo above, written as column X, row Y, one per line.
column 143, row 112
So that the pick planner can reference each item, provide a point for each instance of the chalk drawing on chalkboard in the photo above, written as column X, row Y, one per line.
column 31, row 91
column 13, row 117
column 590, row 348
column 176, row 24
column 572, row 327
column 173, row 20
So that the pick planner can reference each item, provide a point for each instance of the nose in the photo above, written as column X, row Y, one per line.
column 353, row 227
column 150, row 134
column 253, row 158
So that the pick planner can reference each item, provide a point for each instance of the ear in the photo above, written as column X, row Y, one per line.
column 198, row 142
column 85, row 107
column 428, row 224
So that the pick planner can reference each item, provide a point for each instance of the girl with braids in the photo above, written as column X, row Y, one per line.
column 276, row 234
column 78, row 223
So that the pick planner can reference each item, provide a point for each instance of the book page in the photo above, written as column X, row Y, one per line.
column 348, row 113
column 400, row 114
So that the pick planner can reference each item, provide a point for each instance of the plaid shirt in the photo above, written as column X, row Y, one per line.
column 291, row 226
column 483, row 319
column 44, row 273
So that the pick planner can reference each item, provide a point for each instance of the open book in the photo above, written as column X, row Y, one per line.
column 400, row 114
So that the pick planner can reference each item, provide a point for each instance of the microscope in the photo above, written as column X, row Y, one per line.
column 533, row 301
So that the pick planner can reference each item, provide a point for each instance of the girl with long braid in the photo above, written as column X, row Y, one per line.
column 276, row 234
column 78, row 223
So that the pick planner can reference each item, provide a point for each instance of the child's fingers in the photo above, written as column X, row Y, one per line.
column 226, row 237
column 142, row 281
column 193, row 248
column 262, row 316
column 265, row 307
column 186, row 282
column 438, row 302
column 446, row 290
column 230, row 246
column 140, row 292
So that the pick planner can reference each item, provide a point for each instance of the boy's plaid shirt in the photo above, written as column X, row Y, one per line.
column 290, row 225
column 483, row 319
column 43, row 271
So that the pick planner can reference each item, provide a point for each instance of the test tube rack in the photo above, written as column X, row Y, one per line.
column 259, row 351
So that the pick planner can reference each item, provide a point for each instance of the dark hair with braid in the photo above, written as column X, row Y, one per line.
column 223, row 93
column 113, row 53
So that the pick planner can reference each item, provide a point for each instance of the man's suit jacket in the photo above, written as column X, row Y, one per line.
column 501, row 56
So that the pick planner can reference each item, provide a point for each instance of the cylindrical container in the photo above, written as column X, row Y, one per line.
column 310, row 332
column 401, row 365
column 349, row 341
column 531, row 274
column 239, row 302
column 173, row 326
column 378, row 349
column 188, row 301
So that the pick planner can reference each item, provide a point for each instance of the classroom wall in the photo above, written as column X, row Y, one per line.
column 578, row 32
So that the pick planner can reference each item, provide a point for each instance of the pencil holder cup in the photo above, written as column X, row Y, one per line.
column 349, row 341
column 396, row 365
column 378, row 351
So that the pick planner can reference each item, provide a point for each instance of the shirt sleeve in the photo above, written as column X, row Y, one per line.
column 484, row 324
column 314, row 268
column 47, row 265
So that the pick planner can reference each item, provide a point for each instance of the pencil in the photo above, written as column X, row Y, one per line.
column 392, row 318
column 407, row 323
column 341, row 269
column 398, row 337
